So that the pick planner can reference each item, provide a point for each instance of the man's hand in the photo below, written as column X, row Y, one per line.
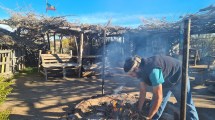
column 158, row 96
column 146, row 118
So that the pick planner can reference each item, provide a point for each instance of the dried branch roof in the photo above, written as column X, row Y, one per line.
column 31, row 27
column 5, row 37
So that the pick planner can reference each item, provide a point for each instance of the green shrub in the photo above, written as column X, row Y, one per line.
column 4, row 115
column 29, row 70
column 5, row 89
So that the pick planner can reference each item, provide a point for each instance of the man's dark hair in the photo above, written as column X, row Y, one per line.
column 129, row 62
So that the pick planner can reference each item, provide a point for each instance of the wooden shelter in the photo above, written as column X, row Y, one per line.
column 36, row 32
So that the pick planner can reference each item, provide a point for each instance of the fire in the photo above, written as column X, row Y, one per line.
column 121, row 106
column 116, row 106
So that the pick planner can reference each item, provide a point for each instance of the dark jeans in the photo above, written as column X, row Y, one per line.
column 191, row 113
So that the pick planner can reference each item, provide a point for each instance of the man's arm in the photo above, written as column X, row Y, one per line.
column 142, row 95
column 158, row 97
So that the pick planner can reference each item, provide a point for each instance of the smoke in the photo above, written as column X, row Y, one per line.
column 114, row 52
column 118, row 90
column 146, row 45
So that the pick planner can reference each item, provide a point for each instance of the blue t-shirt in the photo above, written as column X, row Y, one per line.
column 156, row 77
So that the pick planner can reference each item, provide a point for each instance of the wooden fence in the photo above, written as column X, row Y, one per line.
column 10, row 62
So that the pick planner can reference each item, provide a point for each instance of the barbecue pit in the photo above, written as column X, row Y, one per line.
column 119, row 106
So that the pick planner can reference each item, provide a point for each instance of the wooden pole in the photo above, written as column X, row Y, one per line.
column 61, row 49
column 48, row 41
column 39, row 60
column 3, row 64
column 103, row 61
column 7, row 66
column 76, row 44
column 14, row 60
column 186, row 43
column 81, row 54
column 54, row 44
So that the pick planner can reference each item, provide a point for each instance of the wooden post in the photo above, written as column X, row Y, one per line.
column 195, row 57
column 13, row 61
column 186, row 43
column 76, row 44
column 48, row 41
column 71, row 53
column 54, row 44
column 61, row 49
column 3, row 64
column 81, row 54
column 7, row 66
column 103, row 61
column 23, row 58
column 39, row 58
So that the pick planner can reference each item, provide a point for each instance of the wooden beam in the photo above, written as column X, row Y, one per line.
column 103, row 61
column 48, row 41
column 54, row 44
column 186, row 45
column 81, row 54
column 3, row 64
column 61, row 49
column 39, row 60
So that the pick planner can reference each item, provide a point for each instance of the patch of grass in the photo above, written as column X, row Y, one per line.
column 26, row 71
column 5, row 89
column 29, row 70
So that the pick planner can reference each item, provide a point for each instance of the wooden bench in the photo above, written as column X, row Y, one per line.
column 55, row 62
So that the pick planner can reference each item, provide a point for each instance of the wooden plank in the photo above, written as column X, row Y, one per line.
column 13, row 61
column 55, row 55
column 5, row 51
column 59, row 57
column 53, row 61
column 7, row 65
column 89, row 56
column 3, row 64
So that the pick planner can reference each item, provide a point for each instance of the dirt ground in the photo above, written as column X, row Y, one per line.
column 36, row 99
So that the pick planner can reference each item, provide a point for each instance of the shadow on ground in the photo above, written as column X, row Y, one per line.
column 36, row 99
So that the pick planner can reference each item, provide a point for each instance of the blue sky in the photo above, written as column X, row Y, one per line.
column 122, row 12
